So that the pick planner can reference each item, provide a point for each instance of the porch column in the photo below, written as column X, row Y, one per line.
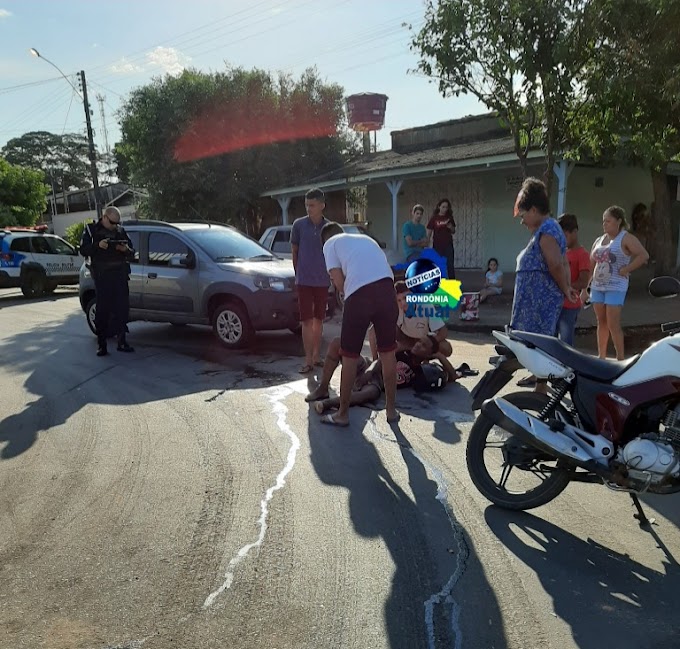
column 394, row 186
column 284, row 202
column 562, row 170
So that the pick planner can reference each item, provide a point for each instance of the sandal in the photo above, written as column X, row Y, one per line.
column 319, row 363
column 305, row 369
column 464, row 370
column 329, row 419
column 313, row 396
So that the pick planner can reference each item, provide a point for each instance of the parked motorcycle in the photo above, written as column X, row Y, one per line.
column 615, row 423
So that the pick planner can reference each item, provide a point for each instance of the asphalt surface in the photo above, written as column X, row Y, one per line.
column 188, row 497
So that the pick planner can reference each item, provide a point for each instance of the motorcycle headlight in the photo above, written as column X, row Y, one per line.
column 271, row 284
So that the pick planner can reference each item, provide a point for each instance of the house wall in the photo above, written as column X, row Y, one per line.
column 62, row 221
column 487, row 198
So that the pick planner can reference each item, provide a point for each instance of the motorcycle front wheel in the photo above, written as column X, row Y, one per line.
column 537, row 478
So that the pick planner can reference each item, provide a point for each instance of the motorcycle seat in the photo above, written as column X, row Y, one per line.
column 583, row 364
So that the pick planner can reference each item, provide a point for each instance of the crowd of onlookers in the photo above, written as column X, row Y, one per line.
column 555, row 278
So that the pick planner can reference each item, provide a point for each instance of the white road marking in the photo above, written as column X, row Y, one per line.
column 462, row 554
column 276, row 396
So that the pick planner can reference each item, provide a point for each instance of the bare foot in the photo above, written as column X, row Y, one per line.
column 319, row 407
column 393, row 417
column 317, row 395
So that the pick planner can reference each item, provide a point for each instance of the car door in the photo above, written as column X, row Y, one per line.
column 137, row 275
column 169, row 287
column 65, row 262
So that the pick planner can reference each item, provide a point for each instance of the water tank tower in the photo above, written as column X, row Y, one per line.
column 366, row 114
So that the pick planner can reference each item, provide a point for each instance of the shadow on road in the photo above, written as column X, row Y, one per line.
column 65, row 374
column 607, row 598
column 415, row 530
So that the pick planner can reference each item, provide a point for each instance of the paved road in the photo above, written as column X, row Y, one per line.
column 187, row 497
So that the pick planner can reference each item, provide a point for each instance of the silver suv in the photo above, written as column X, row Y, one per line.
column 207, row 274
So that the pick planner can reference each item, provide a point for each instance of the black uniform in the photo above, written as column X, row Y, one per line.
column 110, row 271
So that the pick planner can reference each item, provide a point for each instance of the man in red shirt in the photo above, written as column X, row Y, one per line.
column 579, row 265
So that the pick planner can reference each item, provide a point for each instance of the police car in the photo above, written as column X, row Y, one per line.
column 35, row 261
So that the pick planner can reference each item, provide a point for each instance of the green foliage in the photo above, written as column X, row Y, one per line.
column 226, row 186
column 22, row 194
column 64, row 159
column 518, row 57
column 74, row 233
column 633, row 107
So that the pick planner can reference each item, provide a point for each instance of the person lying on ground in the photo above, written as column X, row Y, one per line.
column 408, row 370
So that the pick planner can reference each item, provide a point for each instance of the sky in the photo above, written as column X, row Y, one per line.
column 360, row 44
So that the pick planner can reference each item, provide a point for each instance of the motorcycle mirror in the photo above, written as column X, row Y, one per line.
column 664, row 287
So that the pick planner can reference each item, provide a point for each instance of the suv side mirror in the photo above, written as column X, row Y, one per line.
column 185, row 261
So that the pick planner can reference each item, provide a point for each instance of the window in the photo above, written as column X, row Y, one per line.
column 40, row 246
column 59, row 247
column 163, row 247
column 225, row 244
column 282, row 242
column 267, row 243
column 21, row 245
column 135, row 238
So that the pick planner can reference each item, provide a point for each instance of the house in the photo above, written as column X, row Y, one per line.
column 79, row 205
column 472, row 162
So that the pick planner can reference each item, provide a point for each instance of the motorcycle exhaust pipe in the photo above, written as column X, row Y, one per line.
column 534, row 432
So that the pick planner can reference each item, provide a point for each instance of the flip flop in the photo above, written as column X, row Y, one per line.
column 319, row 363
column 309, row 398
column 305, row 369
column 328, row 419
column 464, row 370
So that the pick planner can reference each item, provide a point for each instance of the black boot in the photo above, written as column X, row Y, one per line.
column 101, row 347
column 123, row 346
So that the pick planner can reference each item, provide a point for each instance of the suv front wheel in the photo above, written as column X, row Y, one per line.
column 232, row 325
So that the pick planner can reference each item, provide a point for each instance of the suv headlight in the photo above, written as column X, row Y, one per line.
column 271, row 283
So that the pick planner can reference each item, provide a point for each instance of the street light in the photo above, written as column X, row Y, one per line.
column 37, row 54
column 90, row 136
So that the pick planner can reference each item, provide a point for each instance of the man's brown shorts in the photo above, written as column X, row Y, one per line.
column 374, row 303
column 312, row 302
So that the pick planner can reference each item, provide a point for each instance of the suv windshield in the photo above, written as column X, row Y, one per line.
column 224, row 244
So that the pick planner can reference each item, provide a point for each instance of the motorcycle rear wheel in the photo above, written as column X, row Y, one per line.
column 551, row 487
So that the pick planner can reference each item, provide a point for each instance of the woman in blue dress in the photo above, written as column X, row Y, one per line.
column 543, row 279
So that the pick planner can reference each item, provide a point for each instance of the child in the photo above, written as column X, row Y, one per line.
column 579, row 265
column 493, row 280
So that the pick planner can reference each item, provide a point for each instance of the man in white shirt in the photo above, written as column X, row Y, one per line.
column 359, row 270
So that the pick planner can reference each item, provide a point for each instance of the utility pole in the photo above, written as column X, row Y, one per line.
column 93, row 155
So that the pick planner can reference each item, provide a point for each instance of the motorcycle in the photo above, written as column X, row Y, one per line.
column 615, row 423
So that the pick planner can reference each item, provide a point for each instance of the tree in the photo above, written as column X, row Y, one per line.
column 63, row 158
column 633, row 109
column 74, row 233
column 210, row 144
column 518, row 57
column 22, row 195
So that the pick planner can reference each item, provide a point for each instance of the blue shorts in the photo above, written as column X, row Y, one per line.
column 609, row 298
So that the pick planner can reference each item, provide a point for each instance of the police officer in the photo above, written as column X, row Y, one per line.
column 110, row 249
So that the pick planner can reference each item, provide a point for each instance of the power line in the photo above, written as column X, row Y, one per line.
column 141, row 55
column 22, row 86
column 68, row 112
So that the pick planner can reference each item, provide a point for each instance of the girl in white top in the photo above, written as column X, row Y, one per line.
column 493, row 280
column 614, row 256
